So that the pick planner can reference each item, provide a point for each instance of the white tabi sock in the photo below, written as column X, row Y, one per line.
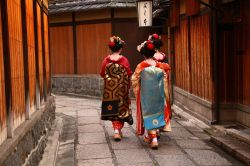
column 154, row 140
column 146, row 133
column 116, row 131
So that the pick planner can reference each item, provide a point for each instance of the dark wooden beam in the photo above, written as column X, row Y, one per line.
column 50, row 71
column 75, row 43
column 175, row 13
column 60, row 24
column 44, row 62
column 36, row 55
column 25, row 58
column 81, row 22
column 7, row 67
column 213, row 62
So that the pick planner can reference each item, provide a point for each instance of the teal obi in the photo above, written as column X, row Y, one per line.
column 152, row 97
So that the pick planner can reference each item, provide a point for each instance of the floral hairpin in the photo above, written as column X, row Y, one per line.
column 147, row 44
column 154, row 36
column 150, row 45
column 115, row 40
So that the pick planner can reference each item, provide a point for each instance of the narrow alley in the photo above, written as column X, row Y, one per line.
column 79, row 137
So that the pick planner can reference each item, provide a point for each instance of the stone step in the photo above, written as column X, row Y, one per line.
column 235, row 147
column 241, row 135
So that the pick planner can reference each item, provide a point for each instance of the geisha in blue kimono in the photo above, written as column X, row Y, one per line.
column 160, row 57
column 150, row 86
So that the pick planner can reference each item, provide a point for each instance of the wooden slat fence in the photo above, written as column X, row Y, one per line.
column 182, row 74
column 192, row 47
column 201, row 57
column 12, row 61
column 16, row 60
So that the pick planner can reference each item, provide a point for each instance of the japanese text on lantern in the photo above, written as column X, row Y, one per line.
column 145, row 13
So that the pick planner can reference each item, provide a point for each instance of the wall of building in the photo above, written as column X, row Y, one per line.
column 194, row 85
column 234, row 61
column 212, row 72
column 79, row 43
column 24, row 81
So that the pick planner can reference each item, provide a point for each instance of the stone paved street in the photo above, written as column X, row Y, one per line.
column 83, row 139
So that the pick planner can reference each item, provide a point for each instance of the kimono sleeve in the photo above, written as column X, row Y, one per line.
column 126, row 64
column 136, row 79
column 104, row 63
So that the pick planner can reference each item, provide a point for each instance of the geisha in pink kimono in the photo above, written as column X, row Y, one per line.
column 116, row 74
column 150, row 85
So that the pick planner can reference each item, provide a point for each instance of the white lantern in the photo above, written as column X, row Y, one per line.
column 144, row 9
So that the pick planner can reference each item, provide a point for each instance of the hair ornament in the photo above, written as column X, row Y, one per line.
column 111, row 44
column 116, row 40
column 155, row 36
column 150, row 46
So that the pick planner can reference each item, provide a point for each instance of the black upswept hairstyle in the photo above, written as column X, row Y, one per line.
column 147, row 49
column 156, row 40
column 115, row 43
column 157, row 43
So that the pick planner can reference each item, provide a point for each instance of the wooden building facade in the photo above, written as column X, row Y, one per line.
column 24, row 62
column 79, row 36
column 210, row 45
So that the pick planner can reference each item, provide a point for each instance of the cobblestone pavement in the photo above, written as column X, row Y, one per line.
column 86, row 140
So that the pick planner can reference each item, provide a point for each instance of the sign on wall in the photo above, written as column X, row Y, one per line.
column 144, row 13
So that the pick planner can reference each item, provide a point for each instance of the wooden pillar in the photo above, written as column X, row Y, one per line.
column 38, row 102
column 25, row 59
column 50, row 73
column 48, row 57
column 171, row 65
column 44, row 62
column 7, row 68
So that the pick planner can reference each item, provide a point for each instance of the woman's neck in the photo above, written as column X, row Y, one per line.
column 115, row 56
column 150, row 61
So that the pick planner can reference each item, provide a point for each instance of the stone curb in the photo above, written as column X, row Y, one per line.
column 179, row 112
column 238, row 149
column 50, row 153
column 29, row 132
column 222, row 137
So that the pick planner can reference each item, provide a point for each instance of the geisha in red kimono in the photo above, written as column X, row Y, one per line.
column 150, row 85
column 161, row 57
column 116, row 73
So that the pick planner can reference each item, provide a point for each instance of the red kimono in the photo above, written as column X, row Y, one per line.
column 123, row 96
column 122, row 61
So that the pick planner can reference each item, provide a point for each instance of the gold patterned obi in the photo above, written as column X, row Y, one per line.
column 115, row 103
